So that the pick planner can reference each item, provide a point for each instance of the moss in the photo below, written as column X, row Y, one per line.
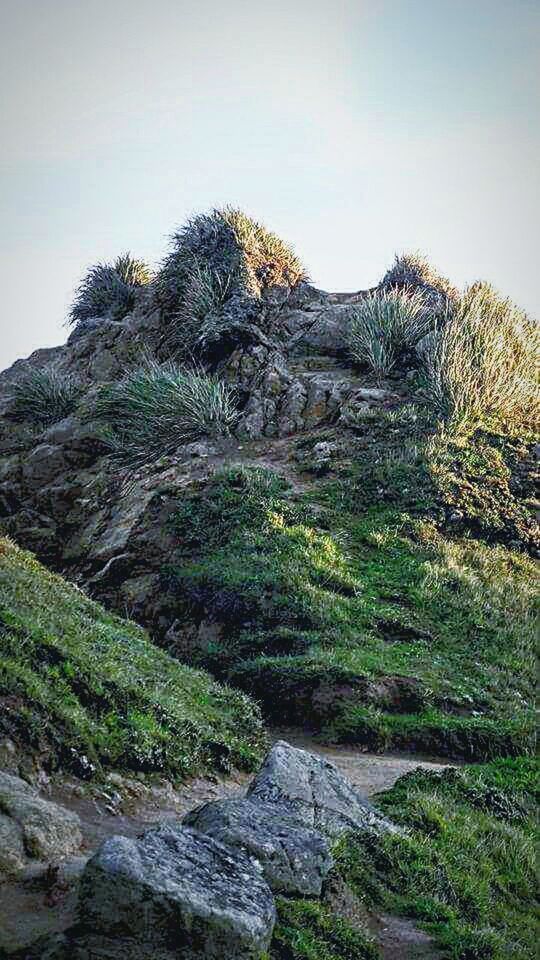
column 306, row 930
column 88, row 689
column 465, row 868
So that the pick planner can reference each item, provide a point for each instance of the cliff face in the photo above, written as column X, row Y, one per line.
column 330, row 554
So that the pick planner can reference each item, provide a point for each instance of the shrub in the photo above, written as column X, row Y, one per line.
column 158, row 408
column 110, row 290
column 217, row 258
column 44, row 396
column 384, row 325
column 482, row 366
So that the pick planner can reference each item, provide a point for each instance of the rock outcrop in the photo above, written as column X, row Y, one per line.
column 32, row 828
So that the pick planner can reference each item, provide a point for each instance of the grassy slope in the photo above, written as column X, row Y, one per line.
column 87, row 688
column 352, row 609
column 465, row 868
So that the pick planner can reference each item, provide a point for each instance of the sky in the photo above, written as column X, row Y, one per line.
column 353, row 128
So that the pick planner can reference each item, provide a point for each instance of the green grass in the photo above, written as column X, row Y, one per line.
column 110, row 289
column 465, row 867
column 44, row 397
column 365, row 623
column 307, row 930
column 89, row 690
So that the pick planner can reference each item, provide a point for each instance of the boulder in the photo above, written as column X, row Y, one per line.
column 313, row 792
column 174, row 892
column 294, row 859
column 31, row 827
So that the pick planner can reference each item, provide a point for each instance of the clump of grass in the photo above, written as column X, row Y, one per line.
column 482, row 368
column 414, row 270
column 44, row 397
column 307, row 930
column 386, row 324
column 88, row 689
column 158, row 408
column 217, row 260
column 465, row 869
column 110, row 289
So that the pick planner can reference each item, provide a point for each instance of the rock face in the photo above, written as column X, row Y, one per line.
column 32, row 828
column 294, row 858
column 313, row 792
column 175, row 892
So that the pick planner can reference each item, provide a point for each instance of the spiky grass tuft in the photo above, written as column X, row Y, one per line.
column 384, row 325
column 44, row 397
column 158, row 408
column 414, row 270
column 216, row 258
column 110, row 290
column 483, row 365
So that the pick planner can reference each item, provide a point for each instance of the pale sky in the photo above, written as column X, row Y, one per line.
column 353, row 128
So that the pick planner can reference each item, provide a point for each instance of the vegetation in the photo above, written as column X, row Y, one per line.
column 218, row 261
column 158, row 408
column 307, row 930
column 87, row 689
column 359, row 619
column 414, row 270
column 385, row 325
column 110, row 289
column 44, row 397
column 465, row 867
column 483, row 365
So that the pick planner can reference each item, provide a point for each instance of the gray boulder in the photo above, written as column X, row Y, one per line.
column 32, row 828
column 174, row 892
column 313, row 792
column 294, row 859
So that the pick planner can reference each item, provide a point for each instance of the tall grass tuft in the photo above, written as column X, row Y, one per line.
column 414, row 270
column 483, row 364
column 384, row 325
column 216, row 258
column 158, row 408
column 110, row 290
column 44, row 397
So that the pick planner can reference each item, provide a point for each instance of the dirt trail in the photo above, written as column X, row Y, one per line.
column 42, row 902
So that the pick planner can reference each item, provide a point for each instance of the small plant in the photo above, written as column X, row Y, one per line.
column 215, row 258
column 384, row 325
column 110, row 290
column 158, row 408
column 44, row 397
column 415, row 270
column 482, row 366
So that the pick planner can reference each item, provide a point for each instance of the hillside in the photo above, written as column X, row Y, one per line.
column 328, row 502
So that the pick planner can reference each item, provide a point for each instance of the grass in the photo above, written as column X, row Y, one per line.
column 110, row 289
column 158, row 408
column 465, row 867
column 377, row 630
column 88, row 690
column 483, row 366
column 307, row 930
column 44, row 397
column 386, row 324
column 414, row 270
column 220, row 263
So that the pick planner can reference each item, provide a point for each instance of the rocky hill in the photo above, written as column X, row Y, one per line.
column 327, row 501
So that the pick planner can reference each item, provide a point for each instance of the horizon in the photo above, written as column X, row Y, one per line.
column 120, row 122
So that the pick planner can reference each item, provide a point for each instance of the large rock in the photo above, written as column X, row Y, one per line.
column 295, row 859
column 32, row 828
column 174, row 892
column 313, row 792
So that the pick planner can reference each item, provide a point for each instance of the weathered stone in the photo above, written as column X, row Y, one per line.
column 45, row 831
column 295, row 859
column 314, row 792
column 180, row 891
column 42, row 465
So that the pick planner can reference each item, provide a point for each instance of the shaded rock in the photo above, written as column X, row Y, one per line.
column 31, row 827
column 178, row 893
column 294, row 859
column 313, row 792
